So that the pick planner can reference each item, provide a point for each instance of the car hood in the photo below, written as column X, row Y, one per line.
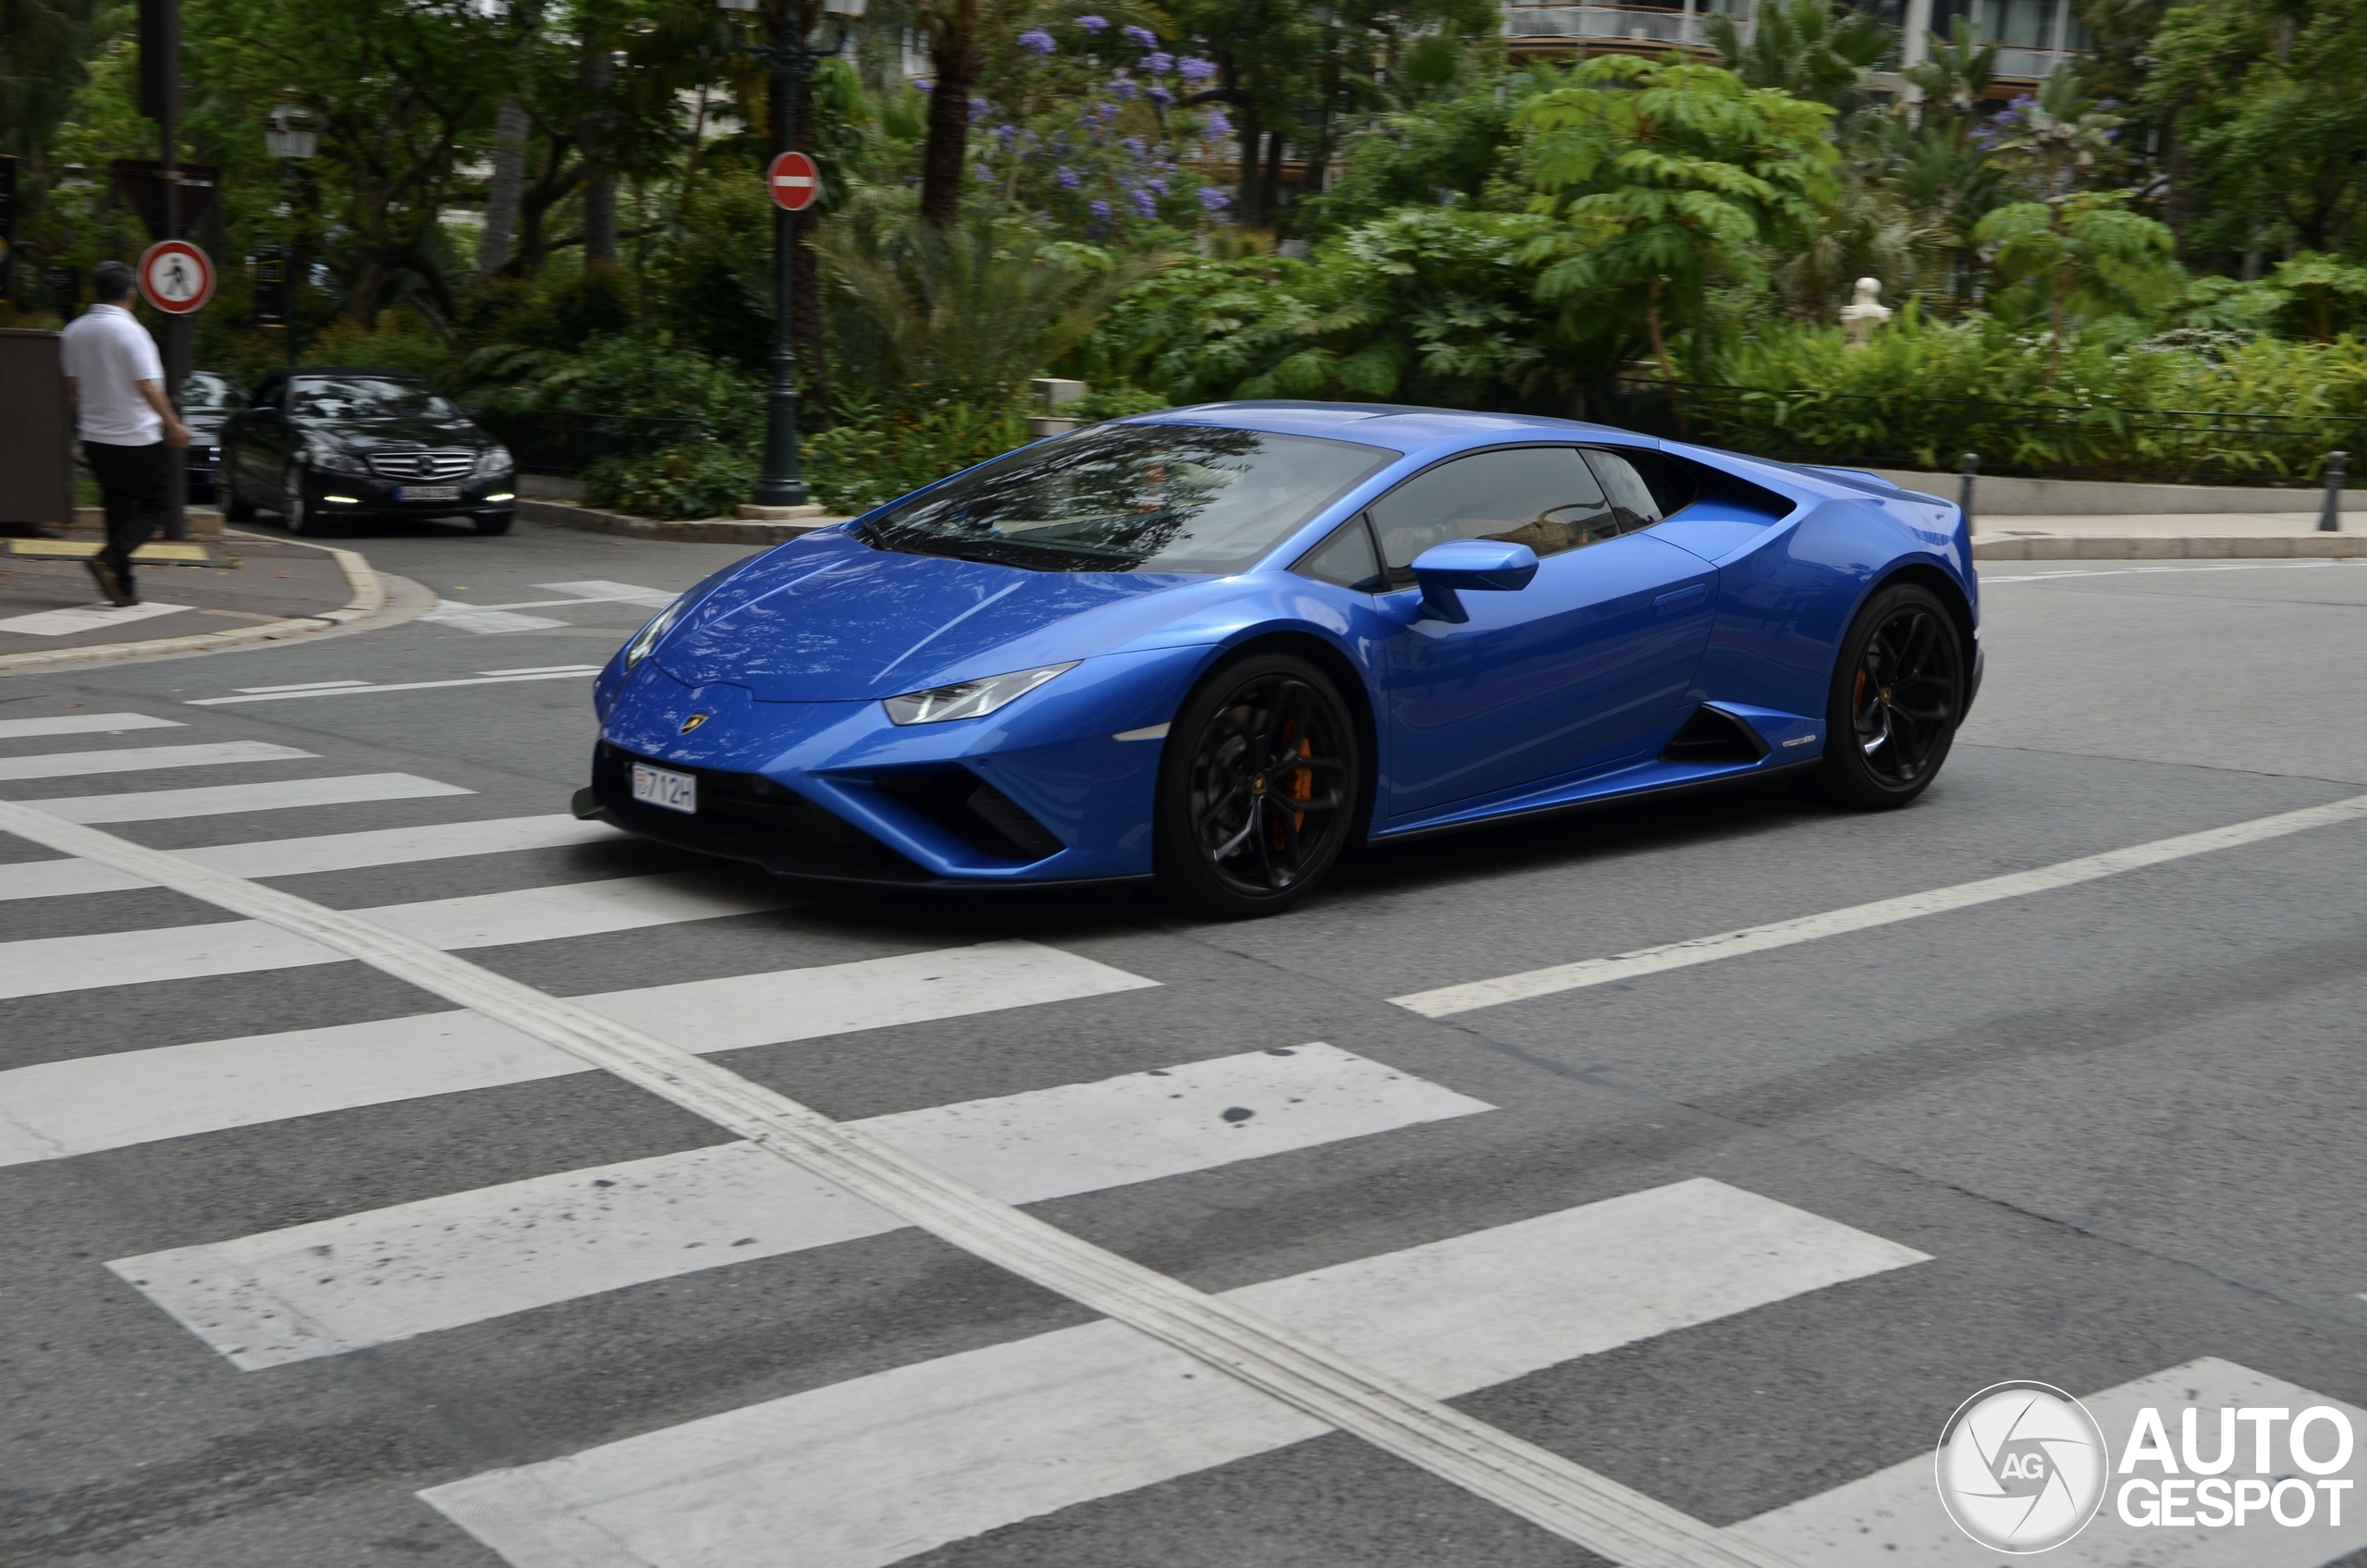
column 832, row 620
column 395, row 435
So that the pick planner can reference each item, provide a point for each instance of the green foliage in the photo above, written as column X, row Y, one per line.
column 858, row 464
column 640, row 377
column 706, row 480
column 2083, row 254
column 1803, row 47
column 1450, row 151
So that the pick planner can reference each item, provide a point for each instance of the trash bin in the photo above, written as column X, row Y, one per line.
column 36, row 434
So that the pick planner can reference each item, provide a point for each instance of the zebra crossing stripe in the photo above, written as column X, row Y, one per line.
column 45, row 965
column 395, row 1273
column 326, row 851
column 869, row 1471
column 59, row 1110
column 141, row 759
column 226, row 799
column 81, row 724
column 1446, row 1000
column 1605, row 1516
column 1895, row 1516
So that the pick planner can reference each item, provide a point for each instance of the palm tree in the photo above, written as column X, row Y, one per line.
column 1804, row 47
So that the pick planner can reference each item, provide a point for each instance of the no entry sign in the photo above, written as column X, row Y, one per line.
column 794, row 182
column 176, row 276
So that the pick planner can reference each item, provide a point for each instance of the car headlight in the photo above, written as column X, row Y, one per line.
column 660, row 624
column 970, row 699
column 494, row 459
column 335, row 461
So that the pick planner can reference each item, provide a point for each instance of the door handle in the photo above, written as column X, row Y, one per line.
column 1684, row 598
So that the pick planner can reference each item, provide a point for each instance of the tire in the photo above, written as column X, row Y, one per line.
column 291, row 502
column 234, row 507
column 1219, row 845
column 1898, row 691
column 492, row 525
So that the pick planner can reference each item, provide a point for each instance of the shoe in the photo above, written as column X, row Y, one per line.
column 109, row 585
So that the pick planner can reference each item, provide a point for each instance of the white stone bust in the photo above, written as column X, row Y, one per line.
column 1865, row 313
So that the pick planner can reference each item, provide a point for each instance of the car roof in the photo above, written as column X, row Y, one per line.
column 301, row 371
column 1397, row 426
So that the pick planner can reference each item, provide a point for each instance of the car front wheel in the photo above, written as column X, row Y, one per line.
column 291, row 505
column 1258, row 788
column 1898, row 693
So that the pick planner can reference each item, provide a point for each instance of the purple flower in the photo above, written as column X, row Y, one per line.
column 1217, row 124
column 1144, row 205
column 1098, row 209
column 1158, row 185
column 2006, row 117
column 1157, row 64
column 1160, row 96
column 1006, row 134
column 1067, row 178
column 1108, row 112
column 1123, row 86
column 1142, row 37
column 980, row 108
column 1191, row 67
column 1134, row 145
column 1093, row 24
column 1038, row 42
column 1214, row 200
column 924, row 84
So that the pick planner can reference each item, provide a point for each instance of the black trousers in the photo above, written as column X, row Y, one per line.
column 136, row 484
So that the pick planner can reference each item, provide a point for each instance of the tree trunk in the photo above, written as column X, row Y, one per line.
column 953, row 51
column 600, row 180
column 501, row 193
column 1250, row 136
column 1659, row 357
column 806, row 276
column 1273, row 190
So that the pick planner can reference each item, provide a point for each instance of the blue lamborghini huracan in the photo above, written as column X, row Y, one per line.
column 1218, row 645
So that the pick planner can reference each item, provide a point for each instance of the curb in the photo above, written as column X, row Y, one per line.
column 2171, row 547
column 368, row 599
column 694, row 531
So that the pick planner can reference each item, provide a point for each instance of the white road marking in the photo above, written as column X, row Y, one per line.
column 395, row 1273
column 58, row 1109
column 81, row 724
column 1606, row 1516
column 1466, row 998
column 301, row 686
column 484, row 620
column 1895, row 1515
column 615, row 593
column 328, row 851
column 568, row 672
column 2144, row 570
column 45, row 965
column 547, row 669
column 869, row 1471
column 85, row 617
column 228, row 800
column 141, row 759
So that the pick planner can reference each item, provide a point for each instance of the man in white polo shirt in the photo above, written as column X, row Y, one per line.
column 129, row 431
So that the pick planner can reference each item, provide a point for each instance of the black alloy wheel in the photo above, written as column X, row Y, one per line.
column 1258, row 788
column 1897, row 695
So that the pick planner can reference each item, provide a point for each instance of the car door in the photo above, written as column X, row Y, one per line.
column 1573, row 673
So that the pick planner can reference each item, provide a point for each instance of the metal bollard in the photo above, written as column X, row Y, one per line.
column 1970, row 465
column 2330, row 514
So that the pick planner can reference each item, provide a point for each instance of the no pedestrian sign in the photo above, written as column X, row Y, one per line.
column 794, row 181
column 177, row 277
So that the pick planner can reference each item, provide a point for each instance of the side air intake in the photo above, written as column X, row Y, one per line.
column 974, row 811
column 1708, row 736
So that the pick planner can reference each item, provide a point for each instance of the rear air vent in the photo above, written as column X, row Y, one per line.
column 971, row 810
column 1709, row 736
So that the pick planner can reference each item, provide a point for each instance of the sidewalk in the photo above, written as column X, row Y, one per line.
column 220, row 589
column 2163, row 536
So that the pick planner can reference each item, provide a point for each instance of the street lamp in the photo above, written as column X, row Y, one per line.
column 291, row 140
column 790, row 57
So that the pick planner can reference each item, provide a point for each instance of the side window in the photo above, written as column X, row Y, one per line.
column 1345, row 560
column 1541, row 497
column 1631, row 501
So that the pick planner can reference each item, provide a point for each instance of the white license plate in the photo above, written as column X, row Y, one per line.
column 675, row 791
column 427, row 492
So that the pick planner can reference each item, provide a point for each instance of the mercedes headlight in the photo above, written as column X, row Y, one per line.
column 970, row 699
column 494, row 459
column 335, row 461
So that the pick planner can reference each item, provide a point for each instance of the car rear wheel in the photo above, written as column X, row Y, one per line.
column 1897, row 695
column 234, row 507
column 1258, row 789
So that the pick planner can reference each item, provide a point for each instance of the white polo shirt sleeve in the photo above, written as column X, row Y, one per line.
column 108, row 354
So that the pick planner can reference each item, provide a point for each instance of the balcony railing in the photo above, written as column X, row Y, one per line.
column 1629, row 24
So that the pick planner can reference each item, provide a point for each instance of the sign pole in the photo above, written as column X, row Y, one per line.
column 160, row 84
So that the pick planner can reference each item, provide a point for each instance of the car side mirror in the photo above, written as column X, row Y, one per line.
column 1463, row 566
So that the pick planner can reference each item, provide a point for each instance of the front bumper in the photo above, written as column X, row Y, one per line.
column 329, row 494
column 1039, row 793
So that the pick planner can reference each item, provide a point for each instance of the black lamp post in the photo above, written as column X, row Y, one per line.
column 291, row 140
column 790, row 57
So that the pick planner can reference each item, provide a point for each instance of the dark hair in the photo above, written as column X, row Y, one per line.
column 112, row 281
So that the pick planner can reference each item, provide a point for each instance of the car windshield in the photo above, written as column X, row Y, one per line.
column 357, row 397
column 1132, row 497
column 205, row 392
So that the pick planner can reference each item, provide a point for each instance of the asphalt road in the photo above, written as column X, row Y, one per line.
column 1738, row 1234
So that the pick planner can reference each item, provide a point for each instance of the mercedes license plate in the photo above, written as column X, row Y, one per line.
column 659, row 787
column 427, row 492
